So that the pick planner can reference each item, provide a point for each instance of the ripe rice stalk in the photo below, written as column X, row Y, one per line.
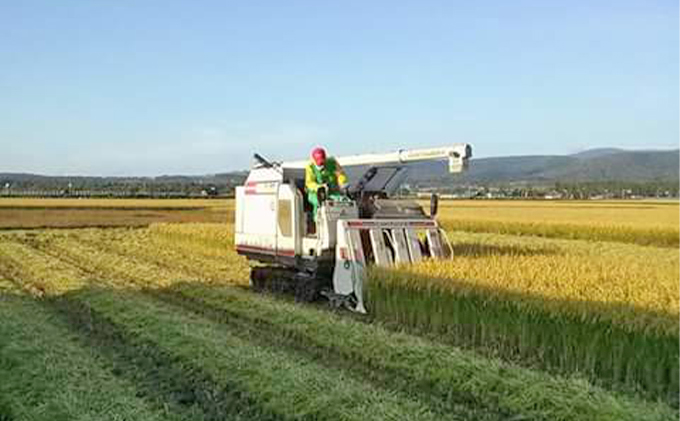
column 606, row 310
column 660, row 237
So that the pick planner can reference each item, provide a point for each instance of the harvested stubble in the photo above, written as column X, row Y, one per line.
column 69, row 203
column 48, row 375
column 266, row 382
column 608, row 311
column 76, row 213
column 277, row 385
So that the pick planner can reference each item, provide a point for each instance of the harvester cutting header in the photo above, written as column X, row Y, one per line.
column 315, row 230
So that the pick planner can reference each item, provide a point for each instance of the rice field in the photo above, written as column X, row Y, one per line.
column 157, row 322
column 638, row 222
column 32, row 213
column 608, row 311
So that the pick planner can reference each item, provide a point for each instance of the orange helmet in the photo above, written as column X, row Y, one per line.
column 319, row 156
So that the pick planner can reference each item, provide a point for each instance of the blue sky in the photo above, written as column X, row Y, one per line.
column 155, row 87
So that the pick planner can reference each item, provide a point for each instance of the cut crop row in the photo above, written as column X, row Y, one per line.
column 47, row 375
column 271, row 384
column 35, row 271
column 174, row 388
column 276, row 384
column 178, row 253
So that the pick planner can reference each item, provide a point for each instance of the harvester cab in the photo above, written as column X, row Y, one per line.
column 273, row 225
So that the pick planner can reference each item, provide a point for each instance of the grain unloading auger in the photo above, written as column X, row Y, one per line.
column 274, row 225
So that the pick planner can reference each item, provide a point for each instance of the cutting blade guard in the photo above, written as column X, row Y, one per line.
column 384, row 243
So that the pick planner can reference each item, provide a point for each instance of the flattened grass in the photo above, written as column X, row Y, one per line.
column 280, row 384
column 47, row 375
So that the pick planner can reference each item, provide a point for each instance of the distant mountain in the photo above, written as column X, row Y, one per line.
column 596, row 153
column 14, row 183
column 76, row 179
column 606, row 164
column 593, row 165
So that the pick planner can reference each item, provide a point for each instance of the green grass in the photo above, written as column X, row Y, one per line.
column 279, row 384
column 47, row 375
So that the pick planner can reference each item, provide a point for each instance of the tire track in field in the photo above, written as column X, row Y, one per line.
column 140, row 358
column 5, row 411
column 162, row 381
column 281, row 385
column 267, row 335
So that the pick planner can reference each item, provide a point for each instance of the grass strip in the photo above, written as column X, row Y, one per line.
column 47, row 375
column 169, row 382
column 271, row 335
column 282, row 386
column 175, row 387
column 431, row 368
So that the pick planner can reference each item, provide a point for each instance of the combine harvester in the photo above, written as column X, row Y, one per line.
column 275, row 226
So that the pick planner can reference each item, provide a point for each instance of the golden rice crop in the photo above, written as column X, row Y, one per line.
column 636, row 214
column 607, row 310
column 633, row 286
column 34, row 271
column 645, row 223
column 220, row 235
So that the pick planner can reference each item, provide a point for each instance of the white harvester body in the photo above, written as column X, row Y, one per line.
column 274, row 226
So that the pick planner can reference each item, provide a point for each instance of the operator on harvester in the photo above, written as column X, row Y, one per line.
column 324, row 172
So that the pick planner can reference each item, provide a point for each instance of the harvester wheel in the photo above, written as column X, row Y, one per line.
column 307, row 288
column 272, row 279
column 258, row 279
